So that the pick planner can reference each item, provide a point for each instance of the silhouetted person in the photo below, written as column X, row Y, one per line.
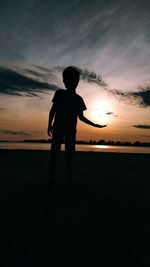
column 67, row 107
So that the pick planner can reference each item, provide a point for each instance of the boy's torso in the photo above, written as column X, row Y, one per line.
column 68, row 105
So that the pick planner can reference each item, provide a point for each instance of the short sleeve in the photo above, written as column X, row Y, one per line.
column 55, row 97
column 81, row 106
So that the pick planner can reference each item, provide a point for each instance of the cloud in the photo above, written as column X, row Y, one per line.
column 36, row 79
column 143, row 96
column 12, row 132
column 91, row 77
column 86, row 75
column 110, row 113
column 142, row 126
column 40, row 72
column 31, row 81
column 41, row 68
column 140, row 97
column 110, row 37
column 17, row 82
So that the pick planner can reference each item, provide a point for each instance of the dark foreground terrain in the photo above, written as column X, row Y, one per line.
column 103, row 221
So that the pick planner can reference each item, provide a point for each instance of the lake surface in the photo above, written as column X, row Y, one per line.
column 88, row 148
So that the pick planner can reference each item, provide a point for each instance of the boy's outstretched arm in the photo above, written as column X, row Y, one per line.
column 50, row 120
column 84, row 119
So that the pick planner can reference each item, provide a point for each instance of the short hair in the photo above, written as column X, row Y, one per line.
column 71, row 72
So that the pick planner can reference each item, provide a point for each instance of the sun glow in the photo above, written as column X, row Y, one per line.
column 101, row 112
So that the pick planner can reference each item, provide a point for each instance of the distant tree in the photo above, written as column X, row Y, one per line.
column 118, row 143
column 101, row 142
column 137, row 143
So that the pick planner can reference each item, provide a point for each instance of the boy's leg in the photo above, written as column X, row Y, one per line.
column 55, row 150
column 70, row 150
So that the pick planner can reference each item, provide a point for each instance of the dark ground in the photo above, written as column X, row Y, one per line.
column 103, row 221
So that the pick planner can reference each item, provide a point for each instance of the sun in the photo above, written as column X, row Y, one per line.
column 100, row 110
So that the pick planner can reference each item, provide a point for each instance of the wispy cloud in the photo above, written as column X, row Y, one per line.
column 142, row 126
column 34, row 80
column 12, row 132
column 18, row 83
column 31, row 81
column 143, row 96
column 91, row 77
column 108, row 35
column 86, row 75
column 139, row 97
column 110, row 113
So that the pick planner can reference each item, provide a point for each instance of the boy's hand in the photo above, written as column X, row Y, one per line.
column 50, row 130
column 99, row 126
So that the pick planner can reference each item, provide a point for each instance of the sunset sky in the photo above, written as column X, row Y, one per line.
column 108, row 40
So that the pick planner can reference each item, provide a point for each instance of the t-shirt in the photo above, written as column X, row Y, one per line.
column 68, row 105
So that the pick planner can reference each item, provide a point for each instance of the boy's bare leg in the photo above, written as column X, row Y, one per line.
column 55, row 151
column 70, row 150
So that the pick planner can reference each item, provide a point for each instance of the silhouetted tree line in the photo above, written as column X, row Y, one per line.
column 100, row 142
column 91, row 142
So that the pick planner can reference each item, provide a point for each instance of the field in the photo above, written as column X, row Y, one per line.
column 103, row 221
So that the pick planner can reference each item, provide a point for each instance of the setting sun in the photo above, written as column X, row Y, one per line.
column 100, row 112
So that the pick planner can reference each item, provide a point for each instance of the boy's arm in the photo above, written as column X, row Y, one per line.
column 50, row 120
column 85, row 120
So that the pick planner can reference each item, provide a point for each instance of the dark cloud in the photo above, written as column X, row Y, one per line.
column 112, row 36
column 34, row 73
column 86, row 75
column 15, row 83
column 40, row 72
column 142, row 126
column 91, row 77
column 110, row 113
column 140, row 97
column 41, row 68
column 143, row 96
column 35, row 79
column 12, row 132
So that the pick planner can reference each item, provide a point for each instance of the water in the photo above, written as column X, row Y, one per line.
column 88, row 148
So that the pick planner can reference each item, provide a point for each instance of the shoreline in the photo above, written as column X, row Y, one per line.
column 76, row 152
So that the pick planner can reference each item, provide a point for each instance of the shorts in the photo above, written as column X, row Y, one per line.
column 68, row 137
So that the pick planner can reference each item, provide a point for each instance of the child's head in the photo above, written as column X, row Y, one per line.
column 71, row 78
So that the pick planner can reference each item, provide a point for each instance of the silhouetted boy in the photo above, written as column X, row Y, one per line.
column 67, row 107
